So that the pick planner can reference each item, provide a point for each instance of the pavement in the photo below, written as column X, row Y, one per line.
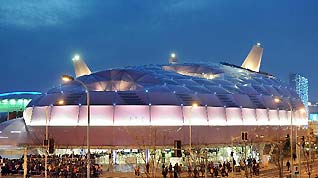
column 268, row 172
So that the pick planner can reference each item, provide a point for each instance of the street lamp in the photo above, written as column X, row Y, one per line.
column 302, row 111
column 46, row 139
column 67, row 78
column 194, row 105
column 278, row 100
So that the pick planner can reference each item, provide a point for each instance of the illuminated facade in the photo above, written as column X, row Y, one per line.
column 146, row 105
column 300, row 85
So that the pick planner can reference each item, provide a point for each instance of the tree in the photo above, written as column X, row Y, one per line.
column 280, row 149
column 278, row 155
column 144, row 141
column 306, row 154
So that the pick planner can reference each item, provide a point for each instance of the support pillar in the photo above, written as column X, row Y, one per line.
column 25, row 160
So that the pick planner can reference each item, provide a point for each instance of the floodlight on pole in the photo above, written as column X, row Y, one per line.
column 173, row 58
column 76, row 57
column 68, row 78
column 279, row 100
column 194, row 105
column 173, row 55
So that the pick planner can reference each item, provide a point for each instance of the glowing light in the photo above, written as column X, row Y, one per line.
column 258, row 44
column 15, row 131
column 195, row 105
column 67, row 78
column 76, row 57
column 277, row 100
column 173, row 55
column 13, row 101
column 20, row 93
column 212, row 76
column 302, row 110
column 26, row 101
column 60, row 102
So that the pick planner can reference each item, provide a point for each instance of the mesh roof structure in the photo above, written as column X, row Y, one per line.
column 217, row 85
column 128, row 103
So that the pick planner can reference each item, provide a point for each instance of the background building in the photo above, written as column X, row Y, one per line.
column 13, row 104
column 300, row 84
column 313, row 116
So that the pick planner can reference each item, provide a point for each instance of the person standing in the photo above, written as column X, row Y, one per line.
column 164, row 172
column 288, row 165
column 170, row 170
column 175, row 170
column 147, row 167
column 137, row 171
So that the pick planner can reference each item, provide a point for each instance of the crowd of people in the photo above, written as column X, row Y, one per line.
column 58, row 166
column 196, row 171
column 71, row 166
column 214, row 170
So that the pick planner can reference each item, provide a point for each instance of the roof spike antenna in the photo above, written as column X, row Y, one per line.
column 80, row 66
column 254, row 58
column 173, row 58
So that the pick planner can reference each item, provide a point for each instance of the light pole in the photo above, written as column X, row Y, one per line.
column 302, row 110
column 291, row 137
column 46, row 140
column 194, row 105
column 68, row 78
column 25, row 162
column 278, row 100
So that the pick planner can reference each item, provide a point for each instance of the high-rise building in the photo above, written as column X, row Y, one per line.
column 300, row 85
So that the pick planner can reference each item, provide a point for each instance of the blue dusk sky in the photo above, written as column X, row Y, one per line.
column 38, row 38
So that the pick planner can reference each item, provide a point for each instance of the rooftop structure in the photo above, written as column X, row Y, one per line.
column 254, row 58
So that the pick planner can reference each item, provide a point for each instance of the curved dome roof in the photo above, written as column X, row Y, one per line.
column 221, row 85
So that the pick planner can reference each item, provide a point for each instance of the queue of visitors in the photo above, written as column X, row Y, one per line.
column 62, row 165
column 214, row 170
column 73, row 166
